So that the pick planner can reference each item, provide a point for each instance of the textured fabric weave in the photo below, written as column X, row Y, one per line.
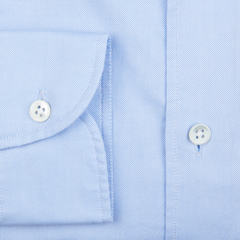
column 162, row 66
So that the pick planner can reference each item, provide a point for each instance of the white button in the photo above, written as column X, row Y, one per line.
column 199, row 134
column 40, row 111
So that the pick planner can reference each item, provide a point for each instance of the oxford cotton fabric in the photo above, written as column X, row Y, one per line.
column 55, row 172
column 174, row 64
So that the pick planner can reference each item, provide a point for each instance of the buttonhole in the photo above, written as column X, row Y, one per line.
column 43, row 109
column 196, row 136
column 36, row 112
column 202, row 130
column 198, row 146
column 202, row 136
column 41, row 115
column 39, row 107
column 198, row 150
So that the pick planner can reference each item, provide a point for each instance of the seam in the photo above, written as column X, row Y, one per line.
column 101, row 107
column 176, row 124
column 165, row 152
column 96, row 156
column 1, row 207
column 110, row 120
column 60, row 119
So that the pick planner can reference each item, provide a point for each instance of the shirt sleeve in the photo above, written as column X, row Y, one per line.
column 55, row 171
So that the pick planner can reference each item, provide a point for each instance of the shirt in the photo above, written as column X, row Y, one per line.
column 125, row 82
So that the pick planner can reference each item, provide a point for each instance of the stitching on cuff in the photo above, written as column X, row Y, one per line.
column 53, row 123
column 97, row 163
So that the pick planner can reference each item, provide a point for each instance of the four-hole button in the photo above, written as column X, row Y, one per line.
column 199, row 134
column 40, row 111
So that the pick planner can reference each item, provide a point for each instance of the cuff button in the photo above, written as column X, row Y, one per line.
column 40, row 111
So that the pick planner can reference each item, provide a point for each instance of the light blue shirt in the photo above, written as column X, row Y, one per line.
column 125, row 81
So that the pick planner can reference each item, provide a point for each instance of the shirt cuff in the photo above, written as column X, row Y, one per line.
column 58, row 171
